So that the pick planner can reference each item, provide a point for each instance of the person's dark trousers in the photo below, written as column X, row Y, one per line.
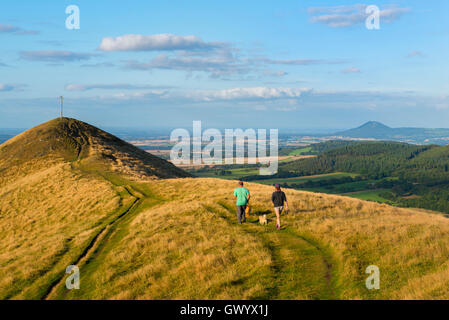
column 241, row 213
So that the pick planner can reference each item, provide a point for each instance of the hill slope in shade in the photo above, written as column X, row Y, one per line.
column 73, row 140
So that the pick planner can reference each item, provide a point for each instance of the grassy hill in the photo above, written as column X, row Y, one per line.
column 370, row 129
column 72, row 140
column 177, row 238
column 377, row 130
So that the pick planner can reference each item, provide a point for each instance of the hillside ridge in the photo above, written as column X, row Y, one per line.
column 71, row 140
column 378, row 130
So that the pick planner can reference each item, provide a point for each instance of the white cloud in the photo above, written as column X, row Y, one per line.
column 157, row 42
column 8, row 28
column 98, row 65
column 289, row 97
column 16, row 30
column 117, row 86
column 6, row 87
column 10, row 87
column 221, row 62
column 349, row 15
column 415, row 53
column 275, row 73
column 286, row 109
column 217, row 62
column 55, row 56
column 252, row 93
column 351, row 70
column 303, row 62
column 134, row 96
column 192, row 54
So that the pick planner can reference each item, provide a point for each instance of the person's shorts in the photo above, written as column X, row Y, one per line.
column 279, row 209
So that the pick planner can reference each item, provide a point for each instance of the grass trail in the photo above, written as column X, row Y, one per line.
column 301, row 269
column 96, row 242
column 133, row 198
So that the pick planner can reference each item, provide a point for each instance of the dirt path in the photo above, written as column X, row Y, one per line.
column 301, row 268
column 95, row 242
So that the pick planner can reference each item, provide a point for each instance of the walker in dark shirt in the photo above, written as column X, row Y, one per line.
column 278, row 198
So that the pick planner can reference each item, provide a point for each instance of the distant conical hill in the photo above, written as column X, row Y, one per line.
column 71, row 140
column 370, row 129
column 377, row 130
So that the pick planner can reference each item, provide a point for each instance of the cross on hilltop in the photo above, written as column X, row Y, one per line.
column 61, row 105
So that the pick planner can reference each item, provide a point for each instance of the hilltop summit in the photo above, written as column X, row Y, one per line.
column 374, row 124
column 370, row 129
column 70, row 140
column 377, row 130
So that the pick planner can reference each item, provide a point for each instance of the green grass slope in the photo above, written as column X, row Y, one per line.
column 72, row 198
column 69, row 140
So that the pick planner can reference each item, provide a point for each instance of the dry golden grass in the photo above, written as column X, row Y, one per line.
column 50, row 210
column 74, row 140
column 178, row 238
column 407, row 245
column 193, row 252
column 43, row 216
column 181, row 249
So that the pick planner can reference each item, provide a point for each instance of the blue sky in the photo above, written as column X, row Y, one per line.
column 283, row 64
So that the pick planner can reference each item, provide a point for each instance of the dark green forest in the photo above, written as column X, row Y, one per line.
column 421, row 173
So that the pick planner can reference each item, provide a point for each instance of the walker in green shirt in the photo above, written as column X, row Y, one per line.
column 241, row 194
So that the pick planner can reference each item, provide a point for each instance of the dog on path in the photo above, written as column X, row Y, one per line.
column 263, row 220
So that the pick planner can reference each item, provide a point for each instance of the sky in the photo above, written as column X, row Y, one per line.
column 299, row 65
